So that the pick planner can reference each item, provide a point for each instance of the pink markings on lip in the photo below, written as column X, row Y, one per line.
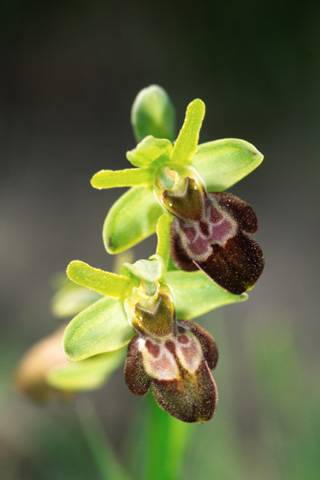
column 199, row 246
column 221, row 232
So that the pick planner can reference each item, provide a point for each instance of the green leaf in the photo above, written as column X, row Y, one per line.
column 153, row 114
column 222, row 163
column 87, row 374
column 148, row 150
column 106, row 283
column 163, row 234
column 195, row 294
column 130, row 177
column 131, row 219
column 187, row 141
column 71, row 299
column 102, row 327
column 148, row 270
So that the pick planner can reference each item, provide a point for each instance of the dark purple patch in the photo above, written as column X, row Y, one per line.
column 235, row 266
column 153, row 349
column 204, row 228
column 170, row 346
column 135, row 376
column 181, row 330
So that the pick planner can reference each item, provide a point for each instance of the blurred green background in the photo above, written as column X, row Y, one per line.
column 69, row 73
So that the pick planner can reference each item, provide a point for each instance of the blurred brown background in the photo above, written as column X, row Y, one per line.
column 69, row 73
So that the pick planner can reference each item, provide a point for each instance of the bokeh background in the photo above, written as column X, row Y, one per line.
column 69, row 73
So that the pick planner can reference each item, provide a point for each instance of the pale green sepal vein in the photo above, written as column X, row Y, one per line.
column 88, row 374
column 195, row 294
column 130, row 177
column 131, row 219
column 106, row 283
column 102, row 327
column 187, row 141
column 163, row 234
column 222, row 163
column 149, row 150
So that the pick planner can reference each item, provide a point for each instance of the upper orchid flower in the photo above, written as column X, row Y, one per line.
column 209, row 231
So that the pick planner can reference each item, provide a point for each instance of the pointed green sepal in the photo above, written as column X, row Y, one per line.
column 131, row 219
column 148, row 150
column 195, row 294
column 153, row 114
column 222, row 163
column 163, row 234
column 85, row 375
column 187, row 141
column 130, row 177
column 102, row 327
column 106, row 283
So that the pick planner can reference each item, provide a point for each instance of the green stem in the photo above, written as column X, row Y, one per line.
column 98, row 443
column 168, row 440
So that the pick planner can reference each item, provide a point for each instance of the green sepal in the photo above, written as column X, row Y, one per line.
column 131, row 219
column 153, row 113
column 187, row 141
column 148, row 150
column 102, row 327
column 88, row 374
column 222, row 163
column 148, row 270
column 130, row 177
column 195, row 294
column 71, row 299
column 105, row 283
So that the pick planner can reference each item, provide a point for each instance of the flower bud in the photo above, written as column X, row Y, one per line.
column 153, row 114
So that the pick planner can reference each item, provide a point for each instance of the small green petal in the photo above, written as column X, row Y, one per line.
column 222, row 163
column 87, row 374
column 148, row 270
column 205, row 295
column 130, row 177
column 153, row 114
column 102, row 327
column 131, row 219
column 106, row 283
column 163, row 234
column 149, row 150
column 187, row 141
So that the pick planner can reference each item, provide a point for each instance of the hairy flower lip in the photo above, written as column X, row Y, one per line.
column 222, row 250
column 178, row 369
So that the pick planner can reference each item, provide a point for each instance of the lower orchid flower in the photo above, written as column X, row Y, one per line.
column 172, row 356
column 140, row 306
